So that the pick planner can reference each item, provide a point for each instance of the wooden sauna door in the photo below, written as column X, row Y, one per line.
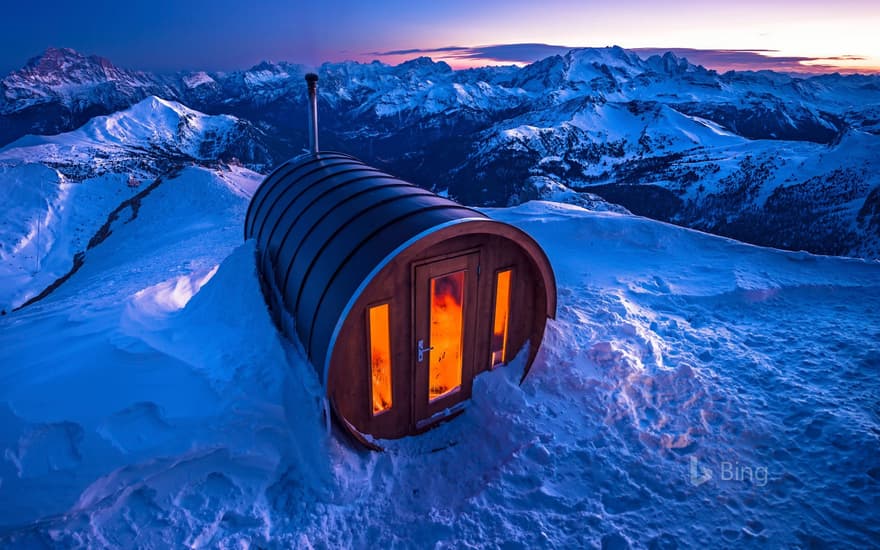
column 445, row 300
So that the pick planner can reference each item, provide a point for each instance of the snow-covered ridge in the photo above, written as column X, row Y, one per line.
column 153, row 123
column 61, row 189
column 157, row 122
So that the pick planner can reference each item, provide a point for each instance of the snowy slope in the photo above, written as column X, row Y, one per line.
column 61, row 190
column 154, row 123
column 149, row 401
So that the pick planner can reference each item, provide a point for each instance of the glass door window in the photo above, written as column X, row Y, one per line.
column 445, row 341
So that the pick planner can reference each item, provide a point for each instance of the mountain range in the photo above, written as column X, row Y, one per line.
column 692, row 389
column 767, row 158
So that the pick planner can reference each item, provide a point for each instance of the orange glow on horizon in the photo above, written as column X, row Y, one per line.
column 462, row 63
column 456, row 63
column 844, row 66
column 832, row 64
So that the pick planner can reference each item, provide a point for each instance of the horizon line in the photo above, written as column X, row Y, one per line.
column 522, row 54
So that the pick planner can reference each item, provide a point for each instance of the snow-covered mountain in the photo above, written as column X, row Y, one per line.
column 62, row 89
column 768, row 158
column 755, row 105
column 64, row 194
column 64, row 76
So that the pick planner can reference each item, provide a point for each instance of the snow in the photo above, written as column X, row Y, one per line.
column 40, row 196
column 549, row 189
column 265, row 75
column 726, row 145
column 153, row 122
column 150, row 401
column 669, row 129
column 156, row 121
column 196, row 79
column 61, row 189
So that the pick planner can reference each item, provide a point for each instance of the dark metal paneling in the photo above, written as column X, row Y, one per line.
column 316, row 201
column 353, row 236
column 281, row 178
column 358, row 265
column 323, row 223
column 287, row 198
column 341, row 228
column 281, row 195
column 306, row 235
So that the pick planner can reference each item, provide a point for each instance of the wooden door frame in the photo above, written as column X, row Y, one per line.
column 425, row 413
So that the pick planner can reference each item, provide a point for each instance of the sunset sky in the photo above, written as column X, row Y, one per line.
column 804, row 35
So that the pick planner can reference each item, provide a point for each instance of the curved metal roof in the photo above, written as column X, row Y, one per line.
column 325, row 224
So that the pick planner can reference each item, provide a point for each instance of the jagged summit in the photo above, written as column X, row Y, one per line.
column 57, row 66
column 611, row 55
column 65, row 78
column 669, row 63
column 52, row 59
column 425, row 62
column 276, row 67
column 148, row 131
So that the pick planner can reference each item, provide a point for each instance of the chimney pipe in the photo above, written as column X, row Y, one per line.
column 312, row 80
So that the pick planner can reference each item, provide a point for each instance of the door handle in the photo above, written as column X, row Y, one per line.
column 421, row 349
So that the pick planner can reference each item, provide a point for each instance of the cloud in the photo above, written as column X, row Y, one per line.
column 720, row 60
column 512, row 53
column 452, row 49
column 752, row 60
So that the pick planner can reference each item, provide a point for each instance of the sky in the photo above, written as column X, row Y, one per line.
column 165, row 35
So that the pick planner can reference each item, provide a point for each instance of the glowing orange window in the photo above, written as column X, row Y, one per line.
column 502, row 318
column 380, row 358
column 447, row 301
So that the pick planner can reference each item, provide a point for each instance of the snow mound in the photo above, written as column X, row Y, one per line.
column 150, row 398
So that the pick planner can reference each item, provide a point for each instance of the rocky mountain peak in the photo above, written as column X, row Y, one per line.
column 64, row 64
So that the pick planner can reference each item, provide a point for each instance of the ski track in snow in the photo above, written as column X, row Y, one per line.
column 150, row 402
